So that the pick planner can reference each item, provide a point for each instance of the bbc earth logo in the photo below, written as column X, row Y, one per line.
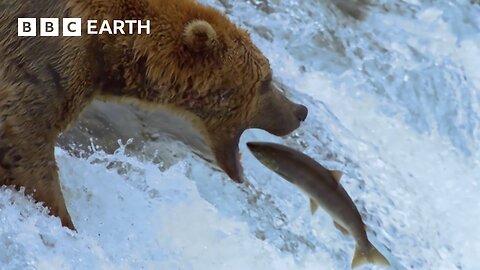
column 72, row 27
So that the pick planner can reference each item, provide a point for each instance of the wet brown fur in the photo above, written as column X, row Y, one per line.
column 219, row 80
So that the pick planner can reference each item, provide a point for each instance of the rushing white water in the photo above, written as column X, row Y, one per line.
column 394, row 103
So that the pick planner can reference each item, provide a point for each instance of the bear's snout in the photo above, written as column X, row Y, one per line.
column 301, row 113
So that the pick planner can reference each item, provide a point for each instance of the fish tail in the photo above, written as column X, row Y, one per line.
column 372, row 256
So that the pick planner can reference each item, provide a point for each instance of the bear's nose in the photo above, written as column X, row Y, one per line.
column 301, row 113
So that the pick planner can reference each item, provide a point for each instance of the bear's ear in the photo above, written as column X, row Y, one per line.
column 199, row 35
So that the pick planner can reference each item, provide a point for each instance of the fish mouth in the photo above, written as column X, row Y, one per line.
column 263, row 151
column 257, row 148
column 253, row 146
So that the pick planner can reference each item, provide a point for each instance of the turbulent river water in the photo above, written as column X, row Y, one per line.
column 394, row 103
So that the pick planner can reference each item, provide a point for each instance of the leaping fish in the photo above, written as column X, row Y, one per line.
column 324, row 189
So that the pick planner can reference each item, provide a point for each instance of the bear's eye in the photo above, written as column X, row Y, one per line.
column 265, row 86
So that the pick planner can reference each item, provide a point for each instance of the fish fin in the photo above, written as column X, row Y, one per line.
column 341, row 228
column 313, row 206
column 373, row 256
column 358, row 258
column 337, row 175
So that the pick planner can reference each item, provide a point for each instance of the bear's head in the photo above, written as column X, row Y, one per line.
column 202, row 66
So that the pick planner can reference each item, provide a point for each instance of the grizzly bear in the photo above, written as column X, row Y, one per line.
column 194, row 63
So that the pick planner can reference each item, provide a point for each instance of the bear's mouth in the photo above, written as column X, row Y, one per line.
column 219, row 148
column 223, row 155
column 227, row 155
column 237, row 168
column 233, row 171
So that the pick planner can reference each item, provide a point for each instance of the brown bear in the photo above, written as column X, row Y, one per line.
column 194, row 63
